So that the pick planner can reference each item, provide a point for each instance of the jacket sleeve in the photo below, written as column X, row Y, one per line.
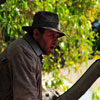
column 24, row 80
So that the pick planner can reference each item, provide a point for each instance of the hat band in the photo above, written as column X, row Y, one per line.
column 47, row 24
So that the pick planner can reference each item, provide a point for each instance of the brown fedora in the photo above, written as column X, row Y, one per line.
column 46, row 20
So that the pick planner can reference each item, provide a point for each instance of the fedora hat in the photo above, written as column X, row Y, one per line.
column 46, row 20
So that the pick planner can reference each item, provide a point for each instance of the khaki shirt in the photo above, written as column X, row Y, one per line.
column 20, row 71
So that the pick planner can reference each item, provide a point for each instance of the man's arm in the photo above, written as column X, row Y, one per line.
column 24, row 80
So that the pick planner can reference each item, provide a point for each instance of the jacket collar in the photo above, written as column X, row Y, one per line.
column 33, row 44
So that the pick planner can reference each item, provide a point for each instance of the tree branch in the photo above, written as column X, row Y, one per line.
column 83, row 84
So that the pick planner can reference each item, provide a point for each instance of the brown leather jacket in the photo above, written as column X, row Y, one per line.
column 20, row 71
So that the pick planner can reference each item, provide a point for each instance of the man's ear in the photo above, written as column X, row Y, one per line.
column 36, row 34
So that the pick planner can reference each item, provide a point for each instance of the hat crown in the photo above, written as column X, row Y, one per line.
column 45, row 16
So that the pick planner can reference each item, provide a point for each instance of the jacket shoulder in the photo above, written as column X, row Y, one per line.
column 18, row 47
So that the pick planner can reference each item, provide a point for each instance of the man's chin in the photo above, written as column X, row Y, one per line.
column 48, row 53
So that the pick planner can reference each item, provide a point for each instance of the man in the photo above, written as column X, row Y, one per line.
column 20, row 63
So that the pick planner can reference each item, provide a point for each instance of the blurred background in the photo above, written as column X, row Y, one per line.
column 80, row 19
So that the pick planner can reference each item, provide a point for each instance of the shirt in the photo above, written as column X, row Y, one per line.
column 20, row 70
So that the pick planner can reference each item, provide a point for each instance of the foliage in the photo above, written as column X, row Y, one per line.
column 75, row 16
column 96, row 94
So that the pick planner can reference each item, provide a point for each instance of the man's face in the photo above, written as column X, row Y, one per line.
column 48, row 41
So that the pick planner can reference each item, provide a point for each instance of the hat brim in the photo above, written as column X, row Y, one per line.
column 30, row 28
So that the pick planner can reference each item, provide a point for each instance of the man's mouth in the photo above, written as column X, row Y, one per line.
column 52, row 48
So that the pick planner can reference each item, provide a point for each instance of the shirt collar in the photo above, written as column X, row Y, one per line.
column 33, row 44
